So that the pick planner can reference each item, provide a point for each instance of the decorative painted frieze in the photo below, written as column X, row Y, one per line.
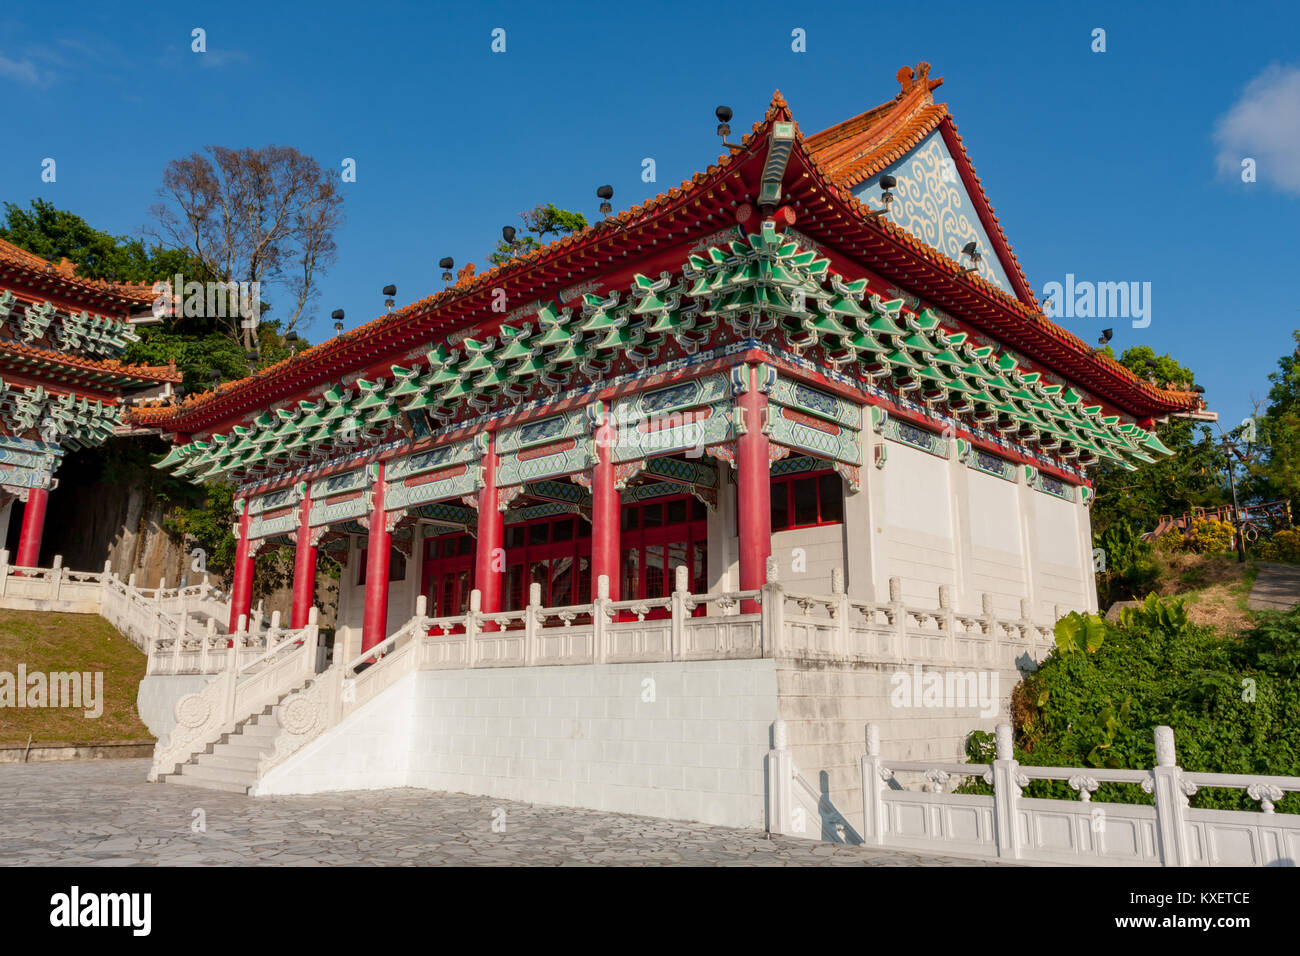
column 933, row 443
column 1047, row 484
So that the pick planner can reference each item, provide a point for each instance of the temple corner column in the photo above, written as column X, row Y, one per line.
column 753, row 487
column 489, row 543
column 605, row 506
column 29, row 541
column 379, row 545
column 241, row 587
column 304, row 564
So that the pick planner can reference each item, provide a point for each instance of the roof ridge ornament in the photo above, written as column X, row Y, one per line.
column 909, row 78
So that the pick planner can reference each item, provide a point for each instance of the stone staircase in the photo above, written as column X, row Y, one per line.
column 231, row 763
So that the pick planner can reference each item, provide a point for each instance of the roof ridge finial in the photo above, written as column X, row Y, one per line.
column 910, row 78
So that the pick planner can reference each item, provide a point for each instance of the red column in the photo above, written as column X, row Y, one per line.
column 753, row 491
column 374, row 624
column 241, row 590
column 604, row 511
column 304, row 567
column 489, row 553
column 29, row 543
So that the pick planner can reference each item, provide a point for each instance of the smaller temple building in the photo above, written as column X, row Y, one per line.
column 62, row 385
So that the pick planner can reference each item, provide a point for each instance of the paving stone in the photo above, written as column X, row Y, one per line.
column 103, row 813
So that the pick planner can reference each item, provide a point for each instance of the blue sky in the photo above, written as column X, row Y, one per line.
column 1114, row 166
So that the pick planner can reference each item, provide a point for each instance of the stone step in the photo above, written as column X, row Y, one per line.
column 214, row 778
column 263, row 726
column 239, row 762
column 243, row 747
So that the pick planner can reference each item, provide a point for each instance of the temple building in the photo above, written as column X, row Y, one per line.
column 778, row 358
column 722, row 468
column 62, row 386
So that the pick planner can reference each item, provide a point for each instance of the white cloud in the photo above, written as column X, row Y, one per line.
column 24, row 71
column 1264, row 125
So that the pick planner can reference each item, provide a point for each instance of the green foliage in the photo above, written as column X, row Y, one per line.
column 541, row 221
column 1232, row 701
column 1129, row 569
column 54, row 233
column 1193, row 477
column 1079, row 633
column 1210, row 536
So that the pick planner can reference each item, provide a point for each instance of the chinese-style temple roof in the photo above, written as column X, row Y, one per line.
column 107, row 374
column 813, row 192
column 62, row 280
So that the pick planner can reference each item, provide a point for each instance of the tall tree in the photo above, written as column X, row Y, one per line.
column 265, row 215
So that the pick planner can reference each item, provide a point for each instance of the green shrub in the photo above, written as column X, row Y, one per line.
column 1097, row 699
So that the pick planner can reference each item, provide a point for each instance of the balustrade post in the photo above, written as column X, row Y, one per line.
column 1171, row 792
column 899, row 618
column 311, row 637
column 472, row 625
column 105, row 585
column 780, row 785
column 1007, row 781
column 990, row 625
column 841, row 611
column 948, row 622
column 599, row 619
column 677, row 630
column 532, row 614
column 238, row 638
column 772, row 610
column 273, row 632
column 4, row 570
column 158, row 595
column 875, row 820
column 209, row 636
column 56, row 577
column 1024, row 622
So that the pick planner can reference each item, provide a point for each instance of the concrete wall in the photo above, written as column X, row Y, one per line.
column 682, row 741
column 826, row 707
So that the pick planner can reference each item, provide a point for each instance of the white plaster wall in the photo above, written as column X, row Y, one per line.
column 997, row 562
column 810, row 571
column 587, row 737
column 1058, row 568
column 917, row 521
column 369, row 750
column 567, row 736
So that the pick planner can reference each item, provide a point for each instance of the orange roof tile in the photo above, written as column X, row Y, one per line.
column 130, row 292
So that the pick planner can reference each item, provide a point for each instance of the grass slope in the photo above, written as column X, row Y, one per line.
column 49, row 642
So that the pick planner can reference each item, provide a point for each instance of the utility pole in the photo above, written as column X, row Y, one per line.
column 1228, row 451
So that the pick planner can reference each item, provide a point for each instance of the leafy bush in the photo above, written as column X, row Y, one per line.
column 1128, row 568
column 1286, row 545
column 1210, row 536
column 1097, row 699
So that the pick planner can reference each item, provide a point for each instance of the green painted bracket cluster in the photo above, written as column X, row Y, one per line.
column 57, row 419
column 78, row 332
column 94, row 334
column 754, row 284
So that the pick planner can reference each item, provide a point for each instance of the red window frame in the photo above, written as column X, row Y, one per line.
column 783, row 495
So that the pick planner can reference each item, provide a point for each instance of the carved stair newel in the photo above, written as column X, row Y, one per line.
column 1007, row 780
column 1171, row 792
column 875, row 778
column 773, row 611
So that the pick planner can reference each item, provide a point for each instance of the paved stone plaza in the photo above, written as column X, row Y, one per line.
column 103, row 813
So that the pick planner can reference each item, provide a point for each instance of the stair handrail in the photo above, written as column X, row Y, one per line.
column 237, row 692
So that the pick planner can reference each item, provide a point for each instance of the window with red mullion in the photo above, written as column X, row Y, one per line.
column 807, row 500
